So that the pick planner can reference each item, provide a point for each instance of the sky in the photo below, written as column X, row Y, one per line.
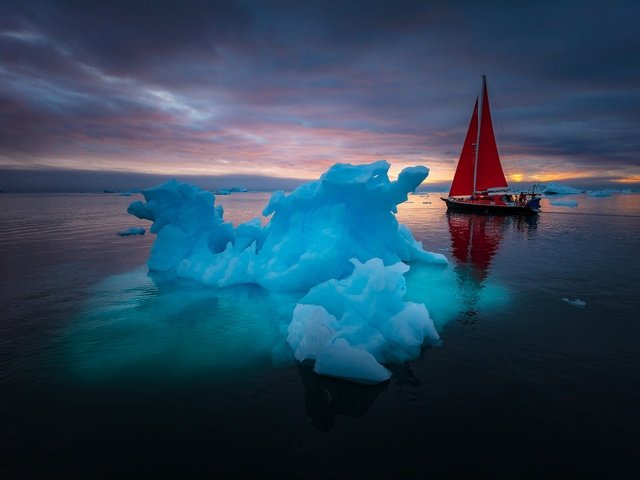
column 287, row 88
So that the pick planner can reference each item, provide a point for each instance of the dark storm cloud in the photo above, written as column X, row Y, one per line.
column 127, row 36
column 239, row 83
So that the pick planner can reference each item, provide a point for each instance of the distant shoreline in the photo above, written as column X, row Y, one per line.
column 84, row 181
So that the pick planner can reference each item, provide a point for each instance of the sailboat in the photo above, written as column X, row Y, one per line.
column 479, row 184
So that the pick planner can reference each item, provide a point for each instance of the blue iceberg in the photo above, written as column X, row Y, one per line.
column 335, row 240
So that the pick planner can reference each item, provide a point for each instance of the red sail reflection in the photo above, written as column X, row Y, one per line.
column 475, row 240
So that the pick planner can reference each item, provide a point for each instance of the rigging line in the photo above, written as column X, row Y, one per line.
column 506, row 149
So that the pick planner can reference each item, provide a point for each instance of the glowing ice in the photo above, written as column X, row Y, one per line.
column 351, row 326
column 311, row 237
column 337, row 236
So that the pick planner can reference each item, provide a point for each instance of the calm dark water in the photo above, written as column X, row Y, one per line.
column 108, row 372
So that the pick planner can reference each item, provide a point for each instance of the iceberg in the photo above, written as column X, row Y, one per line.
column 311, row 237
column 335, row 240
column 554, row 188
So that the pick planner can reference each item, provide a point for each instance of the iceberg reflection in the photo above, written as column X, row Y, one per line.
column 327, row 397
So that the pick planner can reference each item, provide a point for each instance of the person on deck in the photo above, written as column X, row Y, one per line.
column 522, row 198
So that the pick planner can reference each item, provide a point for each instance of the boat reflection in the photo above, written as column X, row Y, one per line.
column 475, row 239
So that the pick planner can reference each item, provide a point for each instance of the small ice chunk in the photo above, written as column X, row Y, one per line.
column 131, row 231
column 567, row 203
column 575, row 303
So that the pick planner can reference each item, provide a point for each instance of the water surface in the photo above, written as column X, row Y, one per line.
column 108, row 371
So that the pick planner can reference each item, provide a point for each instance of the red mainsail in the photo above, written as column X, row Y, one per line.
column 489, row 173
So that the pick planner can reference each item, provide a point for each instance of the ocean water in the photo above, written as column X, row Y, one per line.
column 107, row 371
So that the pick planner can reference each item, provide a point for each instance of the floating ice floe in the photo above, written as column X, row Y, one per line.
column 600, row 193
column 323, row 233
column 567, row 203
column 131, row 231
column 575, row 303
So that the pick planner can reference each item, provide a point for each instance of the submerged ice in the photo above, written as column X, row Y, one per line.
column 336, row 238
column 131, row 231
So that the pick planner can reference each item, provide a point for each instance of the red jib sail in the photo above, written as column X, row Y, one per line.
column 463, row 179
column 489, row 172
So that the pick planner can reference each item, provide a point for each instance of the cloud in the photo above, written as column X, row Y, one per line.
column 290, row 87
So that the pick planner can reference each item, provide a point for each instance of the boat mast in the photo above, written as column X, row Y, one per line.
column 480, row 103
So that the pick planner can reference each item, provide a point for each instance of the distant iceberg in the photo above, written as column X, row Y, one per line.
column 553, row 188
column 229, row 191
column 337, row 235
column 600, row 193
column 609, row 191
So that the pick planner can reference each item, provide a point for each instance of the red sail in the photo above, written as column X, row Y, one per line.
column 490, row 174
column 463, row 179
